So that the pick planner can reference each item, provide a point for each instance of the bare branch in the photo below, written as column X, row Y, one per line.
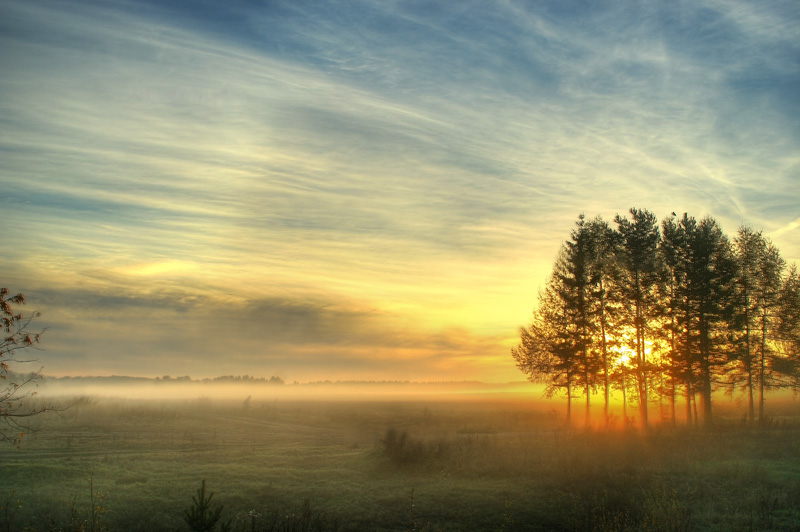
column 17, row 390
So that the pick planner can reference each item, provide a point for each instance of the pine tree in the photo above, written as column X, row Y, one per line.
column 698, row 258
column 546, row 352
column 698, row 311
column 605, row 303
column 770, row 267
column 749, row 245
column 639, row 259
column 574, row 270
column 202, row 516
column 675, row 251
column 788, row 327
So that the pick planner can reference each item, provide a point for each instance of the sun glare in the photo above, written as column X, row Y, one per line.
column 624, row 352
column 624, row 357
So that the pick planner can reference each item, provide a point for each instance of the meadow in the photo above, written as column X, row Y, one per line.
column 391, row 465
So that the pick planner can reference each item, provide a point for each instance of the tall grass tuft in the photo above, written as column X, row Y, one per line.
column 301, row 519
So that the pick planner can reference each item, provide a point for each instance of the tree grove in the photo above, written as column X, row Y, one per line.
column 664, row 312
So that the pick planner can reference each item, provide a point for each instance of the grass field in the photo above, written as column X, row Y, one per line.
column 125, row 465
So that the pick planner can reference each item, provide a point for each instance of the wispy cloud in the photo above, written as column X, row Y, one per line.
column 420, row 161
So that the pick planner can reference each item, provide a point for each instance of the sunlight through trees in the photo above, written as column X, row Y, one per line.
column 661, row 312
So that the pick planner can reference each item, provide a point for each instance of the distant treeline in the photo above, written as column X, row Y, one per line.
column 225, row 378
column 662, row 311
column 125, row 379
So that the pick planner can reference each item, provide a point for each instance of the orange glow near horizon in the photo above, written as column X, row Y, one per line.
column 184, row 195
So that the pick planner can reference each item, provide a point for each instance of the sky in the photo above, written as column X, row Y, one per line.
column 363, row 190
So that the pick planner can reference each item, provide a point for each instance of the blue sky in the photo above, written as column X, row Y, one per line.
column 364, row 189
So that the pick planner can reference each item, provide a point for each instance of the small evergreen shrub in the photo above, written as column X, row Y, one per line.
column 201, row 516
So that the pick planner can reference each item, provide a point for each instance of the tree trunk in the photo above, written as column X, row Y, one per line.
column 750, row 400
column 640, row 355
column 587, row 387
column 705, row 369
column 642, row 381
column 587, row 374
column 673, row 377
column 672, row 403
column 749, row 361
column 707, row 413
column 588, row 415
column 688, row 402
column 624, row 402
column 706, row 392
column 569, row 400
column 604, row 346
column 762, row 368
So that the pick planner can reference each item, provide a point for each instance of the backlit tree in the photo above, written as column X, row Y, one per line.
column 548, row 352
column 639, row 259
column 653, row 311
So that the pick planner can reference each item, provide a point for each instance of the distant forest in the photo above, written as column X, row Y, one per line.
column 124, row 379
column 665, row 313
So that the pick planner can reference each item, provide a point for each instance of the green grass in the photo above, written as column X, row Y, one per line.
column 461, row 466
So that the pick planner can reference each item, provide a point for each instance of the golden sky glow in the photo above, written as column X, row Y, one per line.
column 365, row 190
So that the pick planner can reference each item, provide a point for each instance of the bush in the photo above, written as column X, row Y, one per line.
column 401, row 449
column 202, row 516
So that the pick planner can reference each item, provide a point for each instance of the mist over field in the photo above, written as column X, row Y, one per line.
column 498, row 265
column 232, row 389
column 388, row 457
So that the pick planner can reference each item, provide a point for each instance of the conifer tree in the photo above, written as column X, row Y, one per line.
column 749, row 245
column 547, row 353
column 697, row 310
column 202, row 516
column 574, row 269
column 788, row 327
column 770, row 267
column 639, row 260
column 675, row 252
column 605, row 302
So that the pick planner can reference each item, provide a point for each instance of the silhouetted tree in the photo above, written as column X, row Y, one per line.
column 770, row 267
column 547, row 352
column 697, row 311
column 710, row 276
column 749, row 246
column 574, row 269
column 605, row 302
column 639, row 259
column 674, row 252
column 17, row 338
column 202, row 516
column 701, row 272
column 788, row 326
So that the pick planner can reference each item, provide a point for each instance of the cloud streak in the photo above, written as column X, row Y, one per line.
column 423, row 162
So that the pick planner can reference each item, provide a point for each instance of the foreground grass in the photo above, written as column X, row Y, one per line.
column 117, row 465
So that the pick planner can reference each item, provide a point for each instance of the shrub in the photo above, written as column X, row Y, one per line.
column 202, row 516
column 404, row 450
